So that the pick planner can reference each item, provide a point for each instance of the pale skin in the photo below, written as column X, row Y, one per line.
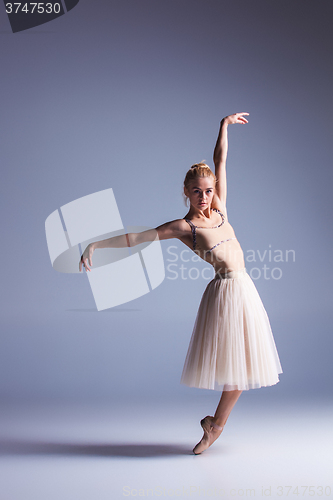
column 203, row 194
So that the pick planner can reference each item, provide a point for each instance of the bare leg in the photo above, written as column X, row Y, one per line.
column 226, row 404
column 213, row 426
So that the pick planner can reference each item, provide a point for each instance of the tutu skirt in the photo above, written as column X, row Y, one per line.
column 232, row 345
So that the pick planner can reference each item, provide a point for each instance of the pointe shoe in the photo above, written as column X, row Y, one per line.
column 207, row 439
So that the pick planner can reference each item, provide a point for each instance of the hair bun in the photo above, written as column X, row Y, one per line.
column 200, row 165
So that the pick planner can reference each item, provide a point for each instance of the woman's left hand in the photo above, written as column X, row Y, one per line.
column 236, row 118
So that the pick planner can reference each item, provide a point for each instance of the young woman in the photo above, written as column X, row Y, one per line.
column 232, row 346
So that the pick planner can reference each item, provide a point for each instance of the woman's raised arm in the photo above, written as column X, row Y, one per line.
column 221, row 151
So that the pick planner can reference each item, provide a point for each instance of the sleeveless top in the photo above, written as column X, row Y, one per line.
column 194, row 228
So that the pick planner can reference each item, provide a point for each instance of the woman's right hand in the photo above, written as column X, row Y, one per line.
column 87, row 257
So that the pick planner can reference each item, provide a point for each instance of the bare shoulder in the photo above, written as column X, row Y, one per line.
column 174, row 229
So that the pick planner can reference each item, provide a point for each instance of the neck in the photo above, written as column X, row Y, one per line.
column 196, row 213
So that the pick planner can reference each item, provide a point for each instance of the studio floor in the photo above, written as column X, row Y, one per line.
column 67, row 451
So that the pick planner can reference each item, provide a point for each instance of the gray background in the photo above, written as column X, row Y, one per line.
column 128, row 95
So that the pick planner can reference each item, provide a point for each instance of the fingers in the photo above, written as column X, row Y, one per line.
column 84, row 263
column 240, row 118
column 237, row 118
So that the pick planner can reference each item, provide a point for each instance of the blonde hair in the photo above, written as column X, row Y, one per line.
column 197, row 170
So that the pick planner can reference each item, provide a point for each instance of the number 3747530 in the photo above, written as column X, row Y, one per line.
column 33, row 8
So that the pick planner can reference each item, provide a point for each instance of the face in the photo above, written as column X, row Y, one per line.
column 200, row 192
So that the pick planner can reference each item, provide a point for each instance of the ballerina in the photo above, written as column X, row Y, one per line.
column 232, row 346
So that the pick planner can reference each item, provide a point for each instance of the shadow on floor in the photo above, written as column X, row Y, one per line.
column 137, row 450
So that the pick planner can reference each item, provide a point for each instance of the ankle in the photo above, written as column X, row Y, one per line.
column 219, row 422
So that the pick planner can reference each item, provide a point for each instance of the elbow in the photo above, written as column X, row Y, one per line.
column 132, row 239
column 143, row 237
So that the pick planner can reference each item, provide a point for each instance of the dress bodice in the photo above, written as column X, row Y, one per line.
column 207, row 245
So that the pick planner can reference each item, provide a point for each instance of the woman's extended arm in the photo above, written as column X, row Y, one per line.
column 173, row 229
column 221, row 151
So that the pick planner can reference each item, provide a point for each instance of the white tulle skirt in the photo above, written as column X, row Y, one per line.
column 232, row 345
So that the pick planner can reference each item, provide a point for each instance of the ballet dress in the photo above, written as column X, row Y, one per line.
column 232, row 345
